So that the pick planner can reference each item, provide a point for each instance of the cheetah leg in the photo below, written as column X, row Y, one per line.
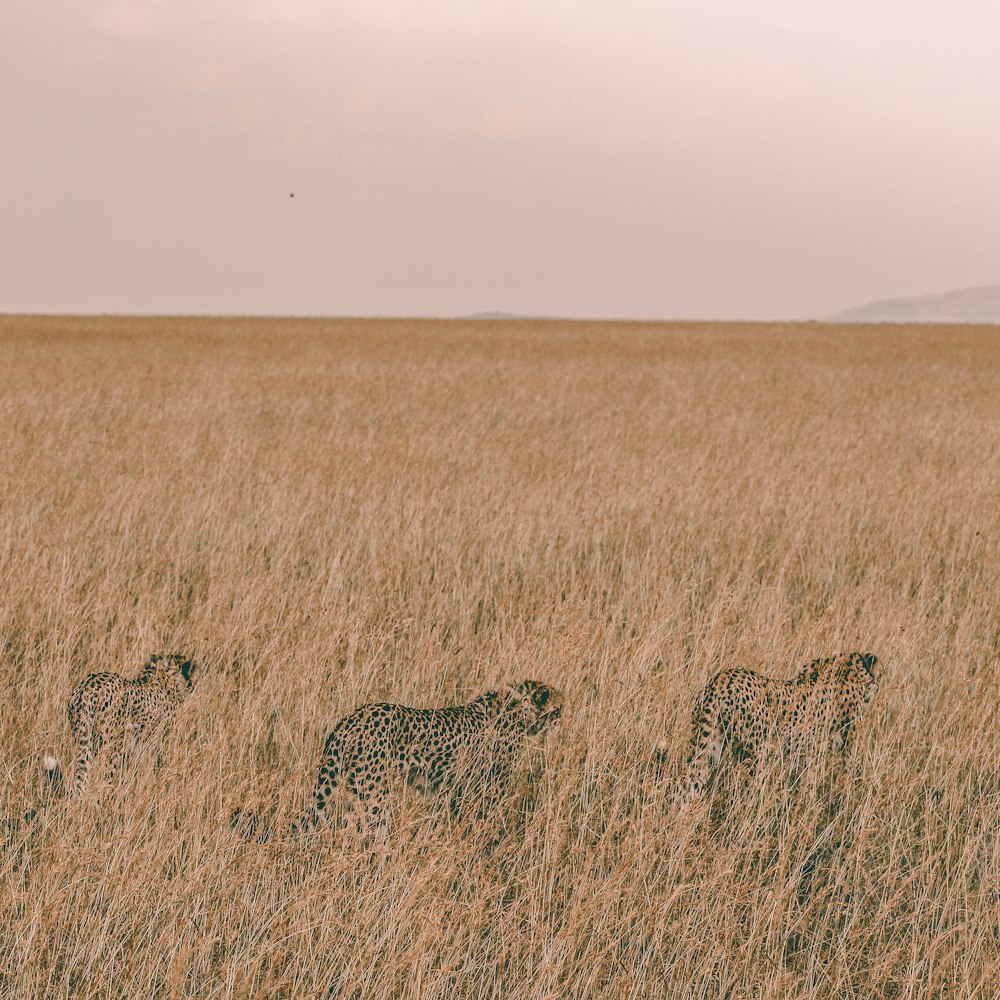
column 84, row 759
column 840, row 737
column 372, row 809
column 88, row 743
column 484, row 800
column 707, row 743
column 493, row 807
column 80, row 771
column 495, row 791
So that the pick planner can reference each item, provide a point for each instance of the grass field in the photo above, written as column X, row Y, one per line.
column 325, row 513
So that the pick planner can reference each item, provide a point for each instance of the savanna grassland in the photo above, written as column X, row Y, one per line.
column 326, row 513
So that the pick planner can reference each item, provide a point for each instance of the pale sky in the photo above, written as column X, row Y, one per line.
column 610, row 158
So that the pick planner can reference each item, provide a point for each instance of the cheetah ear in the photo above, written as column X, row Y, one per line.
column 186, row 667
column 525, row 691
column 512, row 695
column 869, row 661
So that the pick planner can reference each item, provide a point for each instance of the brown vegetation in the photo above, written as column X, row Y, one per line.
column 325, row 513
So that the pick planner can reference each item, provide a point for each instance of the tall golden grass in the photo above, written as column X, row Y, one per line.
column 326, row 513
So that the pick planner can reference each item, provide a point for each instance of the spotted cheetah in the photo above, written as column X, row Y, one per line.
column 469, row 750
column 750, row 712
column 110, row 712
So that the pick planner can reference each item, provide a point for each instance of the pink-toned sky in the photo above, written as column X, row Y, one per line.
column 632, row 158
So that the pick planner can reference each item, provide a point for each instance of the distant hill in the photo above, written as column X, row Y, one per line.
column 969, row 305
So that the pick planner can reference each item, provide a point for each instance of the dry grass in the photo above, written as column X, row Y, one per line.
column 330, row 512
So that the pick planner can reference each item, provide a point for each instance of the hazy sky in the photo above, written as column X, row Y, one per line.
column 646, row 158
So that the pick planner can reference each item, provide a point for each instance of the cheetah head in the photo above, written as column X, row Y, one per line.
column 539, row 704
column 863, row 671
column 175, row 664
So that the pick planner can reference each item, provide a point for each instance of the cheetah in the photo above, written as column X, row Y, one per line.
column 469, row 750
column 750, row 712
column 111, row 712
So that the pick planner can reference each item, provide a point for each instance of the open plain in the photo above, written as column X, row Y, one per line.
column 330, row 512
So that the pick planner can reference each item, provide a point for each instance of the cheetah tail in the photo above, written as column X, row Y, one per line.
column 247, row 825
column 54, row 773
column 55, row 778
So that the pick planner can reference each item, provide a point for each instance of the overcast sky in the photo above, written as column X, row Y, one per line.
column 631, row 158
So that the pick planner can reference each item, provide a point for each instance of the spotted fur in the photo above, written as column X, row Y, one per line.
column 111, row 713
column 469, row 750
column 749, row 712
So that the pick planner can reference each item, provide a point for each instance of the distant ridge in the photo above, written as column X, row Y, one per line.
column 496, row 314
column 967, row 305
